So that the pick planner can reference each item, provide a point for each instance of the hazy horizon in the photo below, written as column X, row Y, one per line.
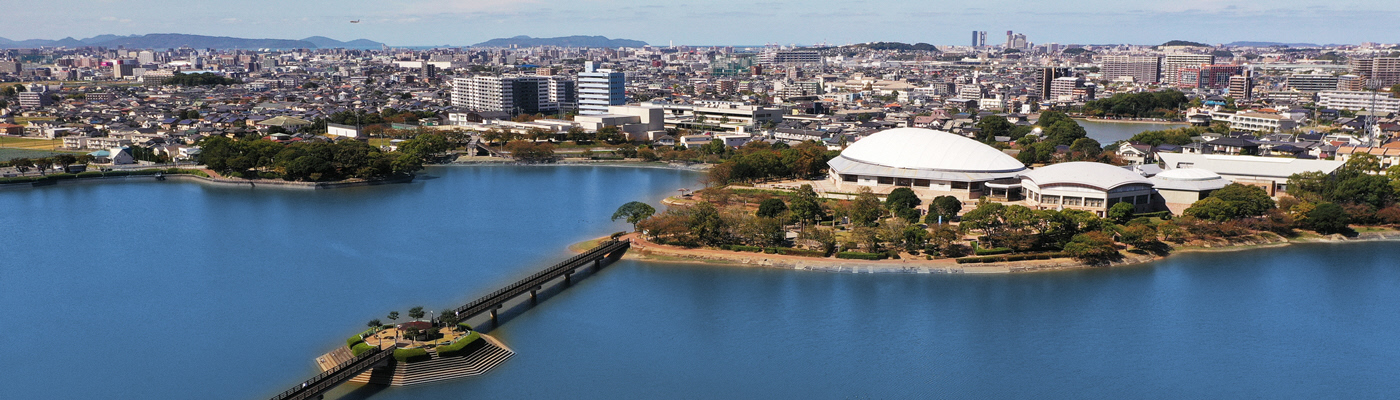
column 720, row 22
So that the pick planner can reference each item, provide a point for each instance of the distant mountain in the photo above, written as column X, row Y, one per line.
column 104, row 38
column 898, row 46
column 328, row 43
column 175, row 40
column 1184, row 43
column 1269, row 44
column 162, row 41
column 567, row 41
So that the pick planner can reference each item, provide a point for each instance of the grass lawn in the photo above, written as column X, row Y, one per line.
column 30, row 144
column 9, row 154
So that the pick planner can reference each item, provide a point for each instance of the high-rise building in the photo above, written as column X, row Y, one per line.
column 1351, row 83
column 1242, row 87
column 1208, row 76
column 1312, row 82
column 1048, row 75
column 1063, row 88
column 979, row 38
column 600, row 88
column 790, row 57
column 1173, row 63
column 1143, row 69
column 1384, row 71
column 515, row 94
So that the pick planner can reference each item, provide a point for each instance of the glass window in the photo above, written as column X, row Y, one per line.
column 885, row 180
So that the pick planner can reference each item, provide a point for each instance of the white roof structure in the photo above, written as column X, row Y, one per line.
column 1248, row 166
column 925, row 154
column 1190, row 179
column 1101, row 176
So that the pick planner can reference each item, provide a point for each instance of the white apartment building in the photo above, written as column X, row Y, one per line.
column 515, row 94
column 600, row 88
column 1312, row 82
column 1143, row 69
column 1357, row 100
column 1173, row 63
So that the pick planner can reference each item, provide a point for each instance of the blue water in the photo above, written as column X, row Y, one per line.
column 1109, row 132
column 175, row 290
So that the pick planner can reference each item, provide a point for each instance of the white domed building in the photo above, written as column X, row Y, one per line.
column 932, row 163
column 1087, row 186
column 1181, row 187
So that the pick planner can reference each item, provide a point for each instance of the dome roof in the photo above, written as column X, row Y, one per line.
column 1187, row 174
column 1098, row 175
column 927, row 149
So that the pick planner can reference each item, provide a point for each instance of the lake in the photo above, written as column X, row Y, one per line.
column 177, row 290
column 1108, row 132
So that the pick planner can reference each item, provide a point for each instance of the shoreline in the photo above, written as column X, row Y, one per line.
column 1130, row 120
column 646, row 251
column 589, row 163
column 208, row 181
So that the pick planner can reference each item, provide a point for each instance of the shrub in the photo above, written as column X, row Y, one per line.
column 464, row 326
column 616, row 235
column 89, row 174
column 463, row 346
column 145, row 172
column 359, row 348
column 754, row 249
column 799, row 252
column 353, row 340
column 269, row 175
column 852, row 255
column 994, row 251
column 411, row 355
column 770, row 251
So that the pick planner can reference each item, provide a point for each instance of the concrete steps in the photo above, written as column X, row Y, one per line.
column 437, row 368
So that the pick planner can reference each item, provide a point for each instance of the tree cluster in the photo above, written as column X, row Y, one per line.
column 312, row 161
column 1163, row 104
column 201, row 79
column 759, row 160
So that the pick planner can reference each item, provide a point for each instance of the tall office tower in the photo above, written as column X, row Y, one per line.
column 600, row 88
column 1047, row 79
column 1384, row 70
column 1143, row 69
column 516, row 94
column 979, row 38
column 1173, row 63
column 1242, row 86
column 1019, row 41
column 1010, row 39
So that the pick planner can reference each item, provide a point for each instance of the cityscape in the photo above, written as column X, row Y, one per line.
column 975, row 215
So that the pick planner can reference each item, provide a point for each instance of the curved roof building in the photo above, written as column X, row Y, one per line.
column 926, row 160
column 1088, row 186
column 1179, row 188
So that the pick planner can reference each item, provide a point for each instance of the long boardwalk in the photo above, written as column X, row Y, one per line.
column 605, row 252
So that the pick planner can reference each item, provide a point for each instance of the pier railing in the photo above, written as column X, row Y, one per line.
column 498, row 297
column 319, row 384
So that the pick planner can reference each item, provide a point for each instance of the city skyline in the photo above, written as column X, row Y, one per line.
column 461, row 23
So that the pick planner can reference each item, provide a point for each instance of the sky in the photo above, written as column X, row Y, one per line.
column 720, row 22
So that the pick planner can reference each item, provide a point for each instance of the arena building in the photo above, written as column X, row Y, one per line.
column 1178, row 188
column 1087, row 186
column 932, row 163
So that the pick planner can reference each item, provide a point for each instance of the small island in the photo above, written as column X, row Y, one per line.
column 424, row 351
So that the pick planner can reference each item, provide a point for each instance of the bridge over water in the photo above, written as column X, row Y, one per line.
column 604, row 253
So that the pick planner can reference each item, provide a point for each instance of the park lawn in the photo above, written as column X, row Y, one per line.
column 30, row 144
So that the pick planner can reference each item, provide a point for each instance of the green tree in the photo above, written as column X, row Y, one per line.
column 706, row 225
column 866, row 208
column 946, row 207
column 1121, row 212
column 1213, row 209
column 416, row 313
column 1248, row 201
column 902, row 197
column 806, row 206
column 374, row 323
column 771, row 208
column 1092, row 248
column 1087, row 146
column 393, row 315
column 991, row 127
column 634, row 212
column 1328, row 218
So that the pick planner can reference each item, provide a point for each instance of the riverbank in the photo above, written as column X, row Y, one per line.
column 150, row 175
column 643, row 250
column 1132, row 121
column 633, row 163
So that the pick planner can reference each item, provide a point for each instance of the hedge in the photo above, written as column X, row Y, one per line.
column 353, row 340
column 991, row 252
column 360, row 348
column 1157, row 214
column 852, row 255
column 463, row 346
column 411, row 355
column 754, row 249
column 1011, row 257
column 799, row 252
